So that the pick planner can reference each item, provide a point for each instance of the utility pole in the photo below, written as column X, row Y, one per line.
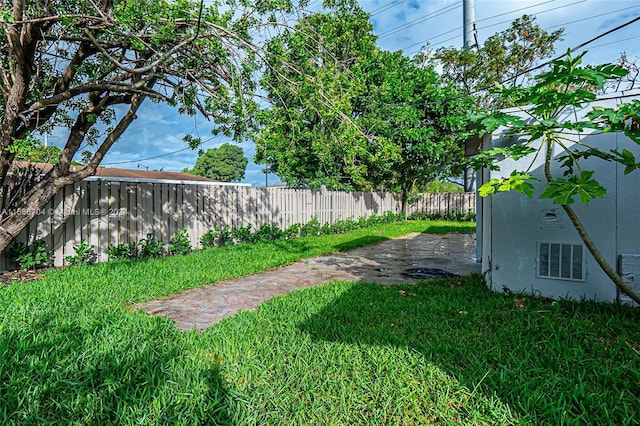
column 469, row 41
column 469, row 18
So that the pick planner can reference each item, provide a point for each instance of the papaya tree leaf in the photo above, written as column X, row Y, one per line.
column 564, row 191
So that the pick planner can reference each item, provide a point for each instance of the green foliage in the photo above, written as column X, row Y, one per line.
column 583, row 185
column 504, row 58
column 439, row 186
column 357, row 117
column 122, row 251
column 519, row 182
column 566, row 84
column 269, row 232
column 457, row 216
column 32, row 150
column 447, row 349
column 225, row 164
column 216, row 237
column 35, row 257
column 16, row 250
column 84, row 254
column 149, row 247
column 550, row 132
column 243, row 234
column 180, row 243
column 84, row 68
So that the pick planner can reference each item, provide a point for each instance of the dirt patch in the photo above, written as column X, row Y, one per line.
column 20, row 276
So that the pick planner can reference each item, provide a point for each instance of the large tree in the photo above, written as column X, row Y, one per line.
column 308, row 136
column 225, row 164
column 504, row 58
column 410, row 108
column 376, row 121
column 88, row 66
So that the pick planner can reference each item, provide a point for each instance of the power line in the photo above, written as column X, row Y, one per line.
column 161, row 155
column 593, row 17
column 508, row 21
column 385, row 8
column 580, row 46
column 420, row 20
column 481, row 20
column 525, row 8
column 614, row 42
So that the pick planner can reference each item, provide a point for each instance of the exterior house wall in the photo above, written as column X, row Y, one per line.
column 515, row 225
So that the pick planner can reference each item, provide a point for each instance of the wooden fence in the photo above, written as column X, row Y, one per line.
column 112, row 212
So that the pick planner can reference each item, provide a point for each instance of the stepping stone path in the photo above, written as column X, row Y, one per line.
column 381, row 263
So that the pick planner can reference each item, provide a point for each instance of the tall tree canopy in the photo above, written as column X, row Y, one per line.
column 89, row 65
column 225, row 164
column 410, row 108
column 358, row 117
column 308, row 136
column 504, row 58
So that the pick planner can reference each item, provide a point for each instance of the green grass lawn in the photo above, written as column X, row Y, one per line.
column 72, row 351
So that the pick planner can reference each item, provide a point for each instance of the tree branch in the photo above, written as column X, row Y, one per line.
column 163, row 58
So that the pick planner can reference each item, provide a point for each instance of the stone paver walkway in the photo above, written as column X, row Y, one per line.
column 381, row 263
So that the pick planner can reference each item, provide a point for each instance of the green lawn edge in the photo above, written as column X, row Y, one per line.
column 72, row 351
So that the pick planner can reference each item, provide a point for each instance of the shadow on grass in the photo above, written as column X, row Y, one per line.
column 461, row 227
column 550, row 363
column 304, row 246
column 359, row 242
column 55, row 369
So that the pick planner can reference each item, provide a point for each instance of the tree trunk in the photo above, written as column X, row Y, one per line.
column 586, row 239
column 29, row 206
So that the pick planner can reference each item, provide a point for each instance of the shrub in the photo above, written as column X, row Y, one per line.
column 457, row 216
column 293, row 231
column 123, row 251
column 38, row 257
column 84, row 254
column 310, row 228
column 217, row 237
column 269, row 232
column 208, row 240
column 150, row 247
column 15, row 251
column 242, row 235
column 180, row 243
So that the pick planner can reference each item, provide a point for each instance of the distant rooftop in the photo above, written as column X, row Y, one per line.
column 109, row 173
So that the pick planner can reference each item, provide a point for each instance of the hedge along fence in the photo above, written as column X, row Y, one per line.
column 112, row 212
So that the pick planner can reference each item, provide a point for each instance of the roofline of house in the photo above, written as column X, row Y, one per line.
column 169, row 181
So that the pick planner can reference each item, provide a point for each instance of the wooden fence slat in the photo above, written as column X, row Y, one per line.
column 112, row 212
column 124, row 214
column 134, row 214
column 57, row 229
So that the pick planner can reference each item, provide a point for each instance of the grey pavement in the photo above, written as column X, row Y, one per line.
column 381, row 263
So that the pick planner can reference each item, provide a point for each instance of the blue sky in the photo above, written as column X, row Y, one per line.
column 154, row 140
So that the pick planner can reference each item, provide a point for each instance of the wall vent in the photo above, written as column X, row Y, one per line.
column 560, row 261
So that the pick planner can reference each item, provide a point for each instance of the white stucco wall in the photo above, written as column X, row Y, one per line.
column 515, row 224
